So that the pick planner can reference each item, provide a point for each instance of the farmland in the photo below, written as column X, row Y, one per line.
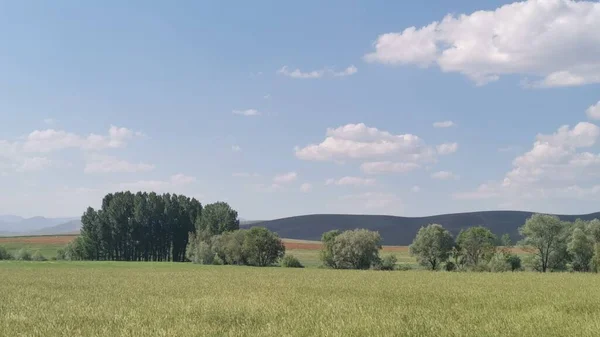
column 181, row 299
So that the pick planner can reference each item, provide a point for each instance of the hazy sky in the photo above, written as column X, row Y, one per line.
column 284, row 108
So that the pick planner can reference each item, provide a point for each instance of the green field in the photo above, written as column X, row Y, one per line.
column 181, row 299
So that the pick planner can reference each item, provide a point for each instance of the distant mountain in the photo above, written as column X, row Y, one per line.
column 400, row 231
column 70, row 227
column 12, row 224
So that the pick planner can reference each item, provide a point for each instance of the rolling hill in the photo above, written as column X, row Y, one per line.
column 400, row 231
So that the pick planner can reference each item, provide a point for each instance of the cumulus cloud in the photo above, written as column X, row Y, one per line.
column 447, row 148
column 380, row 167
column 248, row 112
column 236, row 148
column 54, row 140
column 29, row 164
column 98, row 163
column 555, row 41
column 285, row 178
column 358, row 141
column 593, row 112
column 556, row 166
column 306, row 187
column 444, row 175
column 299, row 74
column 351, row 181
column 444, row 124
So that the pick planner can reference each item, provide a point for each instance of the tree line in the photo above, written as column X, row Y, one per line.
column 551, row 244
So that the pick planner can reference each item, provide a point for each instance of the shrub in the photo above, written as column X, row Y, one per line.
column 498, row 264
column 38, row 256
column 480, row 267
column 290, row 261
column 60, row 255
column 450, row 266
column 387, row 263
column 4, row 254
column 23, row 255
column 404, row 267
column 514, row 261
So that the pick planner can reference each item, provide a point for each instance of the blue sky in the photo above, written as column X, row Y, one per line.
column 284, row 108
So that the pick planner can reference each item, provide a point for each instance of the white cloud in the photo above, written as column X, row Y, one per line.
column 358, row 141
column 444, row 124
column 54, row 140
column 444, row 175
column 285, row 178
column 236, row 148
column 268, row 188
column 593, row 112
column 380, row 167
column 351, row 70
column 98, row 163
column 247, row 112
column 555, row 167
column 447, row 148
column 49, row 121
column 306, row 187
column 267, row 96
column 299, row 74
column 174, row 184
column 416, row 189
column 351, row 181
column 375, row 200
column 555, row 41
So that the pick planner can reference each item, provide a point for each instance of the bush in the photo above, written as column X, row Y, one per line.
column 514, row 261
column 387, row 263
column 38, row 256
column 404, row 267
column 499, row 264
column 450, row 266
column 4, row 254
column 290, row 261
column 23, row 255
column 480, row 267
column 61, row 255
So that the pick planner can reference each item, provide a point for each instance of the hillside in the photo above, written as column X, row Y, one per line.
column 400, row 231
column 13, row 225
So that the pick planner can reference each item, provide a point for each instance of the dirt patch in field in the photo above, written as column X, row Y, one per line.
column 59, row 240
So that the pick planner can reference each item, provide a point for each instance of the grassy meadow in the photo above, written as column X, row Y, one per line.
column 182, row 299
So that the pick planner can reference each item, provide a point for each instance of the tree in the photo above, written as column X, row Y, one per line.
column 217, row 218
column 356, row 249
column 4, row 254
column 478, row 243
column 432, row 246
column 262, row 247
column 326, row 254
column 581, row 248
column 544, row 235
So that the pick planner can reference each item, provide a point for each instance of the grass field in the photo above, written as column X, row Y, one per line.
column 181, row 299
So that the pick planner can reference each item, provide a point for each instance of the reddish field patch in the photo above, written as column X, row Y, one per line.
column 59, row 240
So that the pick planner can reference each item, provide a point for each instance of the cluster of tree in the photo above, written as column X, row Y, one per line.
column 137, row 227
column 553, row 245
column 352, row 249
column 253, row 247
column 21, row 255
column 475, row 248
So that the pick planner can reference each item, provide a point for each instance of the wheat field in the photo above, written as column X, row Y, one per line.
column 181, row 299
